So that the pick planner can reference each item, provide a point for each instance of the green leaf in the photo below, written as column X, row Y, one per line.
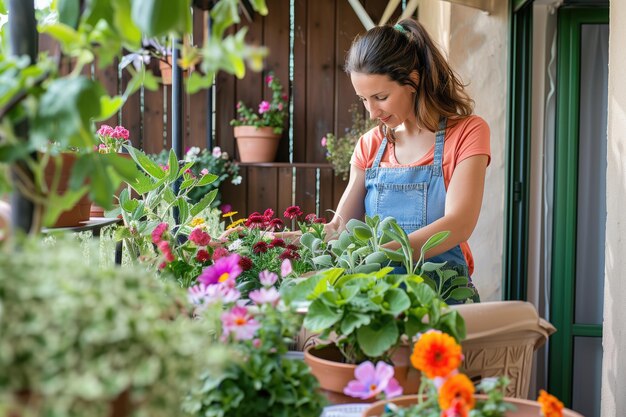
column 183, row 211
column 320, row 316
column 462, row 293
column 259, row 6
column 353, row 321
column 206, row 180
column 377, row 257
column 323, row 261
column 196, row 82
column 352, row 223
column 158, row 17
column 394, row 255
column 109, row 106
column 124, row 24
column 172, row 161
column 146, row 164
column 377, row 338
column 66, row 35
column 435, row 240
column 367, row 268
column 424, row 294
column 68, row 12
column 57, row 204
column 187, row 183
column 398, row 301
column 432, row 266
column 204, row 202
column 459, row 281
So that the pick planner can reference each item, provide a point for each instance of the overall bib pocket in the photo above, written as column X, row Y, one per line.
column 405, row 202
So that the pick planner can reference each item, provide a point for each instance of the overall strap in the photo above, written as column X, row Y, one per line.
column 379, row 155
column 439, row 141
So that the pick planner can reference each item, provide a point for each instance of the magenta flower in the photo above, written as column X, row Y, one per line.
column 120, row 133
column 224, row 270
column 372, row 381
column 199, row 237
column 265, row 296
column 105, row 130
column 226, row 208
column 285, row 268
column 218, row 253
column 323, row 142
column 267, row 278
column 157, row 233
column 240, row 323
column 269, row 79
column 264, row 106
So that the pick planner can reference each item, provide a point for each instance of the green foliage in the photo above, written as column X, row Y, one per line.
column 64, row 108
column 339, row 150
column 269, row 114
column 370, row 313
column 75, row 336
column 216, row 162
column 261, row 380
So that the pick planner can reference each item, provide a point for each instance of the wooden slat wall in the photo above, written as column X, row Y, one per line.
column 320, row 91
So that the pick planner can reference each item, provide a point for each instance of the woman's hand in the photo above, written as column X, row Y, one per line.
column 223, row 238
column 289, row 237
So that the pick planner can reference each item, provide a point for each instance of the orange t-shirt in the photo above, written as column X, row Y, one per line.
column 467, row 137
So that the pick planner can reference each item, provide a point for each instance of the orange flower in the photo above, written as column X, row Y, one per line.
column 550, row 405
column 436, row 354
column 456, row 388
column 458, row 408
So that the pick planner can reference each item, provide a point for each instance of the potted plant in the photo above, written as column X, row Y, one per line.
column 41, row 104
column 339, row 149
column 261, row 379
column 92, row 341
column 258, row 132
column 445, row 391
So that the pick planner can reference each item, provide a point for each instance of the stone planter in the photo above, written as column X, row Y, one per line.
column 256, row 144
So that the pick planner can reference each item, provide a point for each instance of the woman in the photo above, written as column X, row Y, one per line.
column 425, row 163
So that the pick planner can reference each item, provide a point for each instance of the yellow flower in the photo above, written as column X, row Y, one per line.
column 229, row 214
column 197, row 221
column 550, row 405
column 436, row 354
column 235, row 223
column 458, row 390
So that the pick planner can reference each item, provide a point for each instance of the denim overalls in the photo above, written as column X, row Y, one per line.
column 415, row 196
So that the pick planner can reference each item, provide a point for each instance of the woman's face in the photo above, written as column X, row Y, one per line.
column 384, row 98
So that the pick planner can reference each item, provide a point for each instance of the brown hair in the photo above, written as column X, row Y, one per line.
column 397, row 52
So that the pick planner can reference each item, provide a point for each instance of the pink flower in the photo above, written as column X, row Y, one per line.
column 267, row 278
column 280, row 106
column 372, row 381
column 264, row 107
column 204, row 171
column 217, row 152
column 120, row 133
column 105, row 130
column 208, row 294
column 310, row 218
column 323, row 142
column 164, row 247
column 269, row 79
column 265, row 296
column 226, row 208
column 224, row 270
column 239, row 323
column 157, row 233
column 218, row 253
column 285, row 268
column 199, row 237
column 292, row 212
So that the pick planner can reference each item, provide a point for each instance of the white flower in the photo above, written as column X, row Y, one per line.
column 217, row 152
column 235, row 245
column 237, row 180
column 192, row 153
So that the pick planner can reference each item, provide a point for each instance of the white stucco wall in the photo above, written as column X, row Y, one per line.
column 614, row 336
column 477, row 46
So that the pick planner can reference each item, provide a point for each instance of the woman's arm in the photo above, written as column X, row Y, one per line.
column 351, row 205
column 463, row 201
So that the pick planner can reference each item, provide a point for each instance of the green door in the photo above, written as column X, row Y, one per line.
column 577, row 277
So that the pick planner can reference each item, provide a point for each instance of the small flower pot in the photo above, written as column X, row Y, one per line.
column 523, row 408
column 333, row 374
column 165, row 67
column 80, row 212
column 97, row 211
column 256, row 144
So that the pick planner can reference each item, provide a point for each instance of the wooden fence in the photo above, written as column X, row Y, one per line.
column 320, row 94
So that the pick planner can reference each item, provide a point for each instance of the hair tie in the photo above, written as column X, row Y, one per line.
column 399, row 28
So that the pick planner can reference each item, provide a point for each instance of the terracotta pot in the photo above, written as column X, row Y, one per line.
column 333, row 375
column 165, row 67
column 523, row 408
column 256, row 144
column 97, row 211
column 80, row 212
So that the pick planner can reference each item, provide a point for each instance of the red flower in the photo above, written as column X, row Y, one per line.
column 277, row 243
column 259, row 247
column 320, row 220
column 288, row 254
column 269, row 213
column 164, row 247
column 292, row 247
column 292, row 212
column 157, row 233
column 256, row 220
column 202, row 256
column 310, row 218
column 276, row 224
column 245, row 263
column 199, row 237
